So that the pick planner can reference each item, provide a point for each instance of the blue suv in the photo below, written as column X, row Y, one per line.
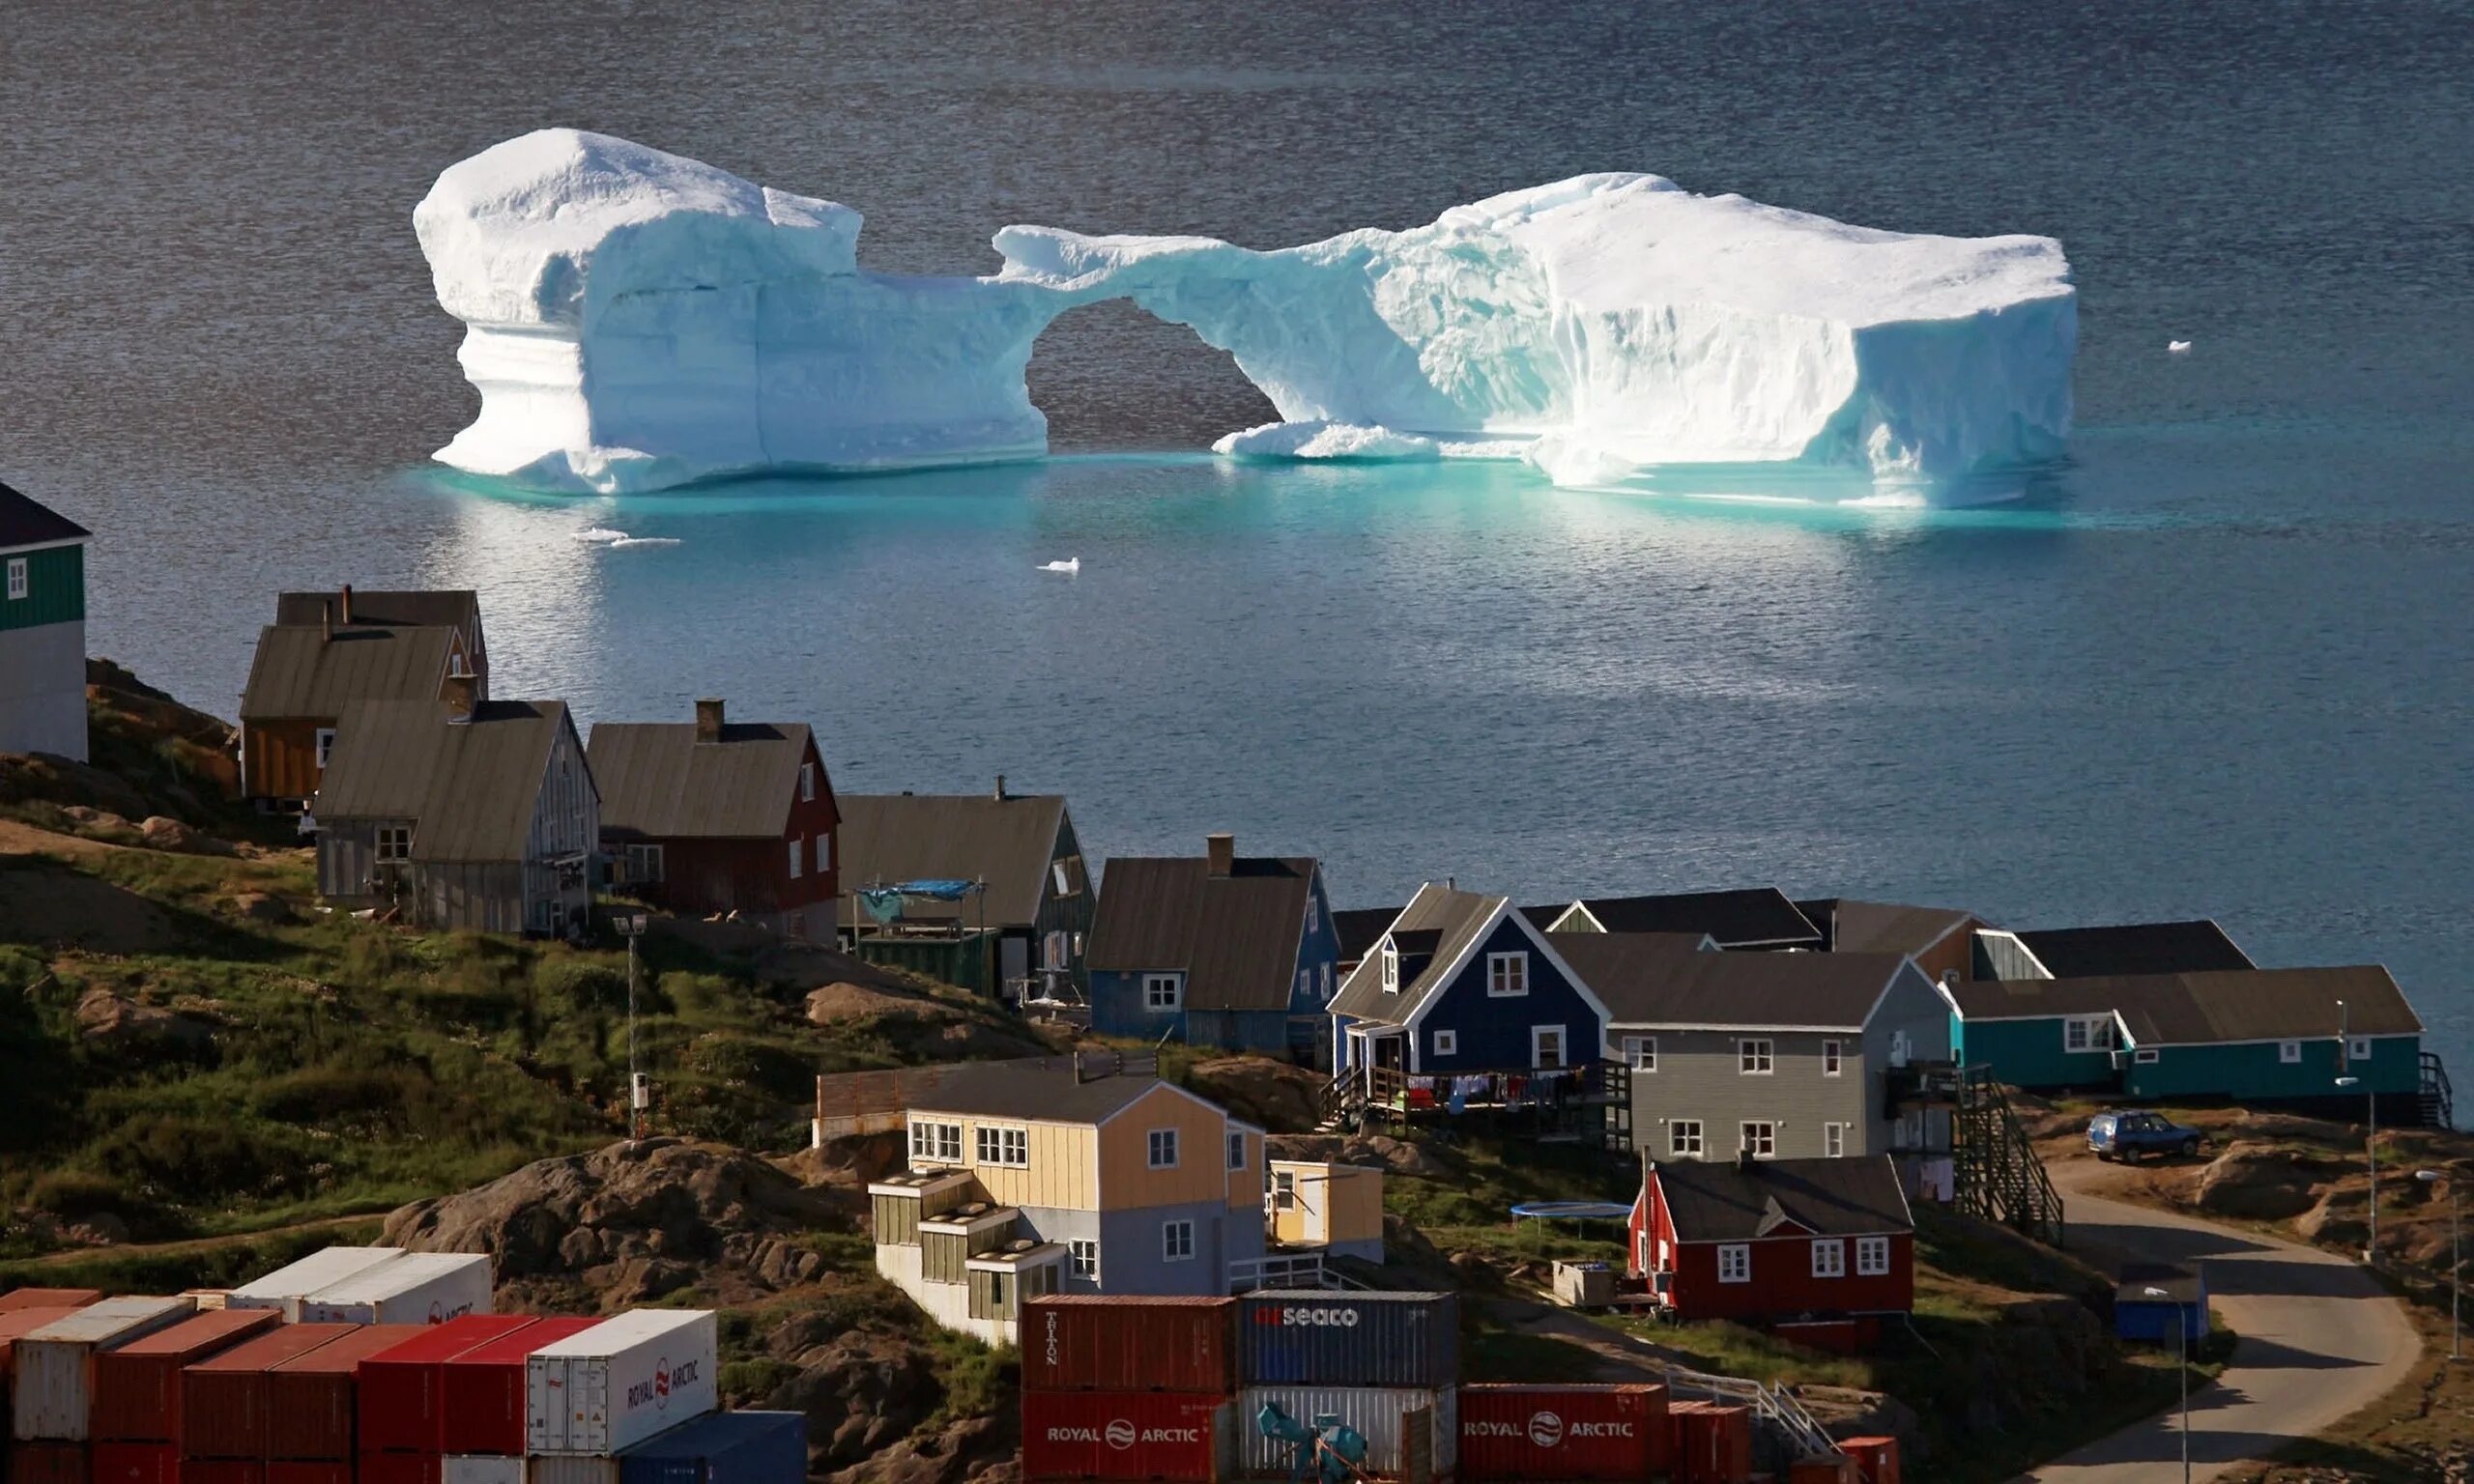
column 2127, row 1137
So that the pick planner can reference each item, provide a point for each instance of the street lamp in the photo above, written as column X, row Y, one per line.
column 2183, row 1356
column 2455, row 1266
column 631, row 927
column 2371, row 1144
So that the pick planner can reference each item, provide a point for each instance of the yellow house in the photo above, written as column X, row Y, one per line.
column 1337, row 1207
column 1037, row 1177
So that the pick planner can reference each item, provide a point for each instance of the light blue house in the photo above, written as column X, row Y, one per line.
column 1238, row 953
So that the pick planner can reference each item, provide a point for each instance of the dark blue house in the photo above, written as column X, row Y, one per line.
column 1215, row 951
column 1463, row 984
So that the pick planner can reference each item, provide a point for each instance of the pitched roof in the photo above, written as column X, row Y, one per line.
column 917, row 837
column 1043, row 1088
column 1851, row 927
column 2136, row 948
column 2232, row 1005
column 1360, row 929
column 1234, row 936
column 26, row 521
column 1663, row 981
column 658, row 782
column 1430, row 932
column 448, row 607
column 1748, row 918
column 2033, row 999
column 302, row 673
column 1732, row 1201
column 468, row 788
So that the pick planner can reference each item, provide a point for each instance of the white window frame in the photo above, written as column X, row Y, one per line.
column 1507, row 975
column 1641, row 1053
column 1006, row 1146
column 798, row 856
column 1537, row 1034
column 823, row 854
column 392, row 845
column 1314, row 914
column 1447, row 1043
column 323, row 740
column 1160, row 1149
column 19, row 583
column 1833, row 1141
column 1872, row 1257
column 936, row 1141
column 807, row 782
column 1684, row 1138
column 1829, row 1257
column 1327, row 981
column 1154, row 997
column 1284, row 1190
column 644, row 863
column 1734, row 1261
column 2147, row 1058
column 1083, row 1253
column 1058, row 879
column 1177, row 1241
column 1749, row 1141
column 1834, row 1058
column 1756, row 1056
column 1236, row 1149
column 1391, row 968
column 2358, row 1049
column 2094, row 1033
column 2288, row 1051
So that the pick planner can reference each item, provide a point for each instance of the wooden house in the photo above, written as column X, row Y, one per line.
column 1356, row 932
column 445, row 608
column 468, row 814
column 304, row 680
column 1821, row 1250
column 1322, row 1206
column 1942, row 940
column 1755, row 918
column 43, row 629
column 1031, row 901
column 715, row 817
column 1217, row 949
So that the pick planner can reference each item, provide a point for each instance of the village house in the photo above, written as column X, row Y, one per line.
column 304, row 678
column 1820, row 1251
column 473, row 815
column 1217, row 949
column 1356, row 932
column 1942, row 940
column 43, row 629
column 445, row 608
column 2194, row 947
column 1751, row 918
column 719, row 818
column 1039, row 1177
column 1333, row 1208
column 1010, row 893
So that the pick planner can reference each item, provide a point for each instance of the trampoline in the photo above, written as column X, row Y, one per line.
column 1572, row 1211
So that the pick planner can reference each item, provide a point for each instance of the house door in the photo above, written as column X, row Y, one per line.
column 1546, row 1047
column 1013, row 959
column 1387, row 1051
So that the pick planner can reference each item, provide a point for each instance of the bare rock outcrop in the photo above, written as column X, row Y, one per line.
column 2255, row 1181
column 113, row 1020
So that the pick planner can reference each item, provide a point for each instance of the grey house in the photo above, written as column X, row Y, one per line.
column 461, row 815
column 43, row 629
column 1778, row 1055
column 1036, row 895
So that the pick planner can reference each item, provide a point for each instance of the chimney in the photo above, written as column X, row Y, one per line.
column 458, row 696
column 347, row 604
column 1220, row 852
column 327, row 618
column 709, row 721
column 1001, row 787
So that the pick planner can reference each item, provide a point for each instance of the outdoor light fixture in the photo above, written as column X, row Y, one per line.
column 2182, row 1355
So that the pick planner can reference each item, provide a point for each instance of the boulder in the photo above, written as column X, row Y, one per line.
column 161, row 832
column 1380, row 1151
column 2255, row 1181
column 1276, row 1096
column 2339, row 1220
column 112, row 1021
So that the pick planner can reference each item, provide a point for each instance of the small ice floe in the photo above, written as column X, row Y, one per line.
column 624, row 542
column 599, row 535
column 2177, row 347
column 1069, row 566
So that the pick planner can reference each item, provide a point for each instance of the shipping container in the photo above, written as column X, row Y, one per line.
column 403, row 1389
column 483, row 1468
column 1876, row 1458
column 1387, row 1417
column 224, row 1401
column 47, row 1462
column 607, row 1388
column 1102, row 1342
column 1323, row 1338
column 398, row 1468
column 418, row 1288
column 51, row 1383
column 572, row 1468
column 208, row 1299
column 1832, row 1468
column 295, row 1471
column 723, row 1447
column 284, row 1287
column 137, row 1387
column 1712, row 1443
column 485, row 1390
column 311, row 1402
column 1512, row 1433
column 222, row 1471
column 49, row 1297
column 135, row 1463
column 1122, row 1435
column 15, row 1324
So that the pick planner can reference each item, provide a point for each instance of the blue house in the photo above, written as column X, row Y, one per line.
column 1463, row 985
column 1238, row 953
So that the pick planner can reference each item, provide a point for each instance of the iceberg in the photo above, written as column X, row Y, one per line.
column 636, row 320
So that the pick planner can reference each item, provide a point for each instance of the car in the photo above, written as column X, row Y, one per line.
column 2127, row 1137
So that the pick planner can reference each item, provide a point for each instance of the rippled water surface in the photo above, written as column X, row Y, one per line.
column 2222, row 666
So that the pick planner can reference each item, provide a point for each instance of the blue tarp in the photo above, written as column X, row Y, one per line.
column 884, row 903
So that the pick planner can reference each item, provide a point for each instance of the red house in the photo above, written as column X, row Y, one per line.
column 717, row 817
column 1818, row 1249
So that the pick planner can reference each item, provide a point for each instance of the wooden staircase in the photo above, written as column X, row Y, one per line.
column 1340, row 1108
column 2437, row 1101
column 1998, row 1177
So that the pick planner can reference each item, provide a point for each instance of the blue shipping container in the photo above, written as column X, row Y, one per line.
column 724, row 1447
column 1321, row 1337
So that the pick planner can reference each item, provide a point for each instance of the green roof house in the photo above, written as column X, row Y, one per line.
column 43, row 629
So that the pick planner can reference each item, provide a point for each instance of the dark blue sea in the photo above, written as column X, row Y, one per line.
column 2223, row 666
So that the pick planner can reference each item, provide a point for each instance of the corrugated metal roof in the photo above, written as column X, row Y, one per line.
column 1713, row 1201
column 1452, row 916
column 1753, row 916
column 658, row 782
column 468, row 788
column 916, row 837
column 1360, row 929
column 299, row 673
column 27, row 521
column 2199, row 946
column 445, row 608
column 2016, row 999
column 1852, row 927
column 1046, row 1089
column 2172, row 1009
column 1662, row 982
column 1234, row 937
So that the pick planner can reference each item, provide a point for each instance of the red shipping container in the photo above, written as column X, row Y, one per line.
column 1518, row 1432
column 1714, row 1445
column 136, row 1463
column 224, row 1401
column 49, row 1298
column 1096, row 1342
column 294, row 1471
column 312, row 1400
column 47, row 1462
column 137, row 1388
column 1837, row 1468
column 1126, row 1435
column 402, row 1390
column 1876, row 1458
column 222, row 1471
column 485, row 1396
column 401, row 1468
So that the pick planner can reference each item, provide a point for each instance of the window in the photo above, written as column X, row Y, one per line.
column 326, row 741
column 1056, row 873
column 395, row 843
column 1163, row 992
column 1447, row 1043
column 2288, row 1051
column 2358, row 1049
column 1756, row 1057
column 1830, row 1062
column 1684, row 1138
column 1546, row 1047
column 1641, row 1052
column 1507, row 974
column 2088, row 1032
column 797, row 854
column 1391, row 969
column 1305, row 984
column 644, row 863
column 1086, row 1259
column 1833, row 1141
column 1163, row 1148
column 823, row 854
column 807, row 782
column 1872, row 1257
column 1314, row 914
column 1283, row 1191
column 17, row 579
column 936, row 1143
column 1759, row 1139
column 1236, row 1151
column 2147, row 1058
column 1010, row 1147
column 1734, row 1261
column 1053, row 950
column 1177, row 1241
column 1327, row 984
column 1829, row 1257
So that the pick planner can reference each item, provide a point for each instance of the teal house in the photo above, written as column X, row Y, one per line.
column 2043, row 1035
column 43, row 629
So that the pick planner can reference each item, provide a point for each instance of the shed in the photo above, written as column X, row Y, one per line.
column 2140, row 1315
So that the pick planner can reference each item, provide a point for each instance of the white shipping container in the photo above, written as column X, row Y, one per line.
column 284, row 1287
column 55, row 1365
column 418, row 1288
column 1376, row 1412
column 574, row 1469
column 605, row 1389
column 482, row 1469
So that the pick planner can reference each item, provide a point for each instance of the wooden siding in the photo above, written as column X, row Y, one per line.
column 897, row 1220
column 1493, row 1033
column 2257, row 1071
column 56, row 587
column 1782, row 1282
column 1700, row 1077
column 1128, row 1182
column 567, row 824
column 1069, row 913
column 1345, row 1201
column 280, row 758
column 1246, row 1181
column 1955, row 954
column 2031, row 1054
column 1063, row 1173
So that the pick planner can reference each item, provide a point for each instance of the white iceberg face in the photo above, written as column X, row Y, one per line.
column 638, row 320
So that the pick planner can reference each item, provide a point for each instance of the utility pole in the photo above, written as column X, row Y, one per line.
column 632, row 926
column 2456, row 1268
column 2346, row 1078
column 2182, row 1354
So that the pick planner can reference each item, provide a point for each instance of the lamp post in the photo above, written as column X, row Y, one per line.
column 631, row 925
column 2371, row 1144
column 2456, row 1268
column 2183, row 1356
